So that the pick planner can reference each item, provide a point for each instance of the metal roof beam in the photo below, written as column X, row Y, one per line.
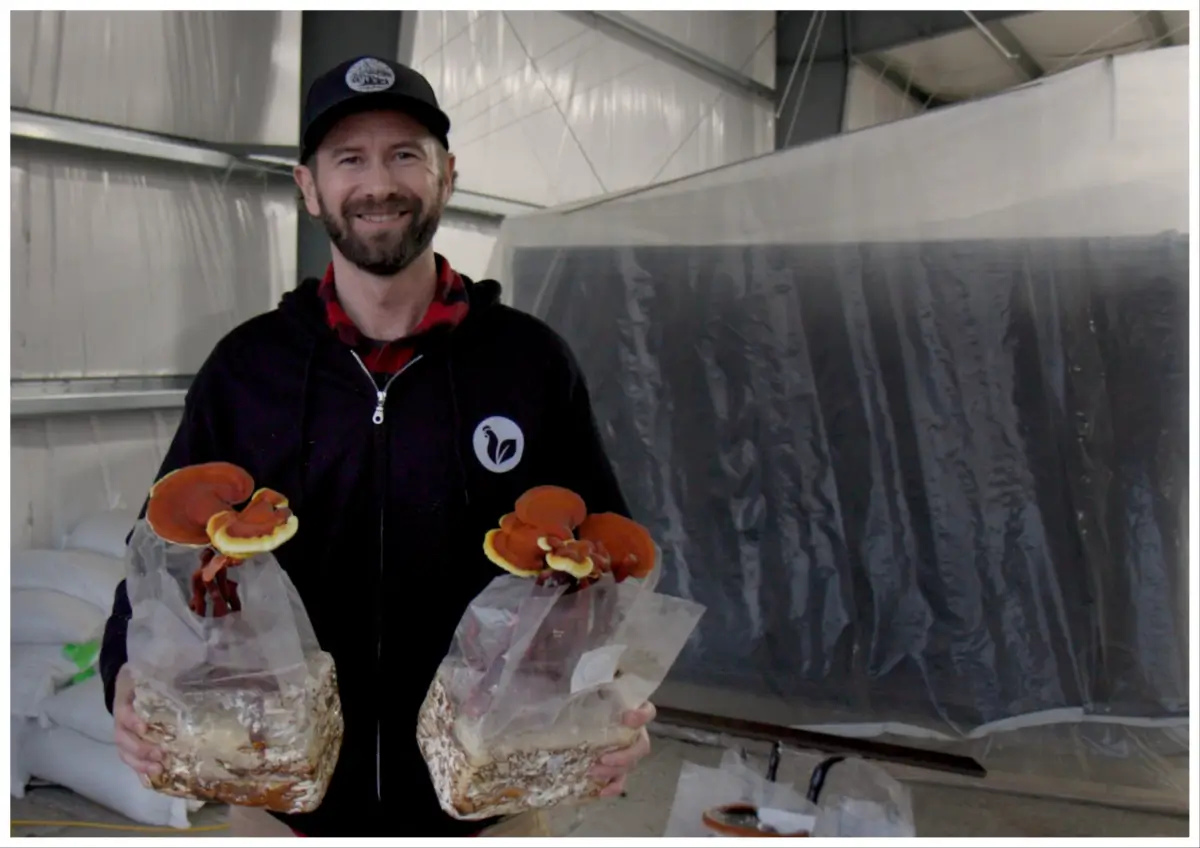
column 872, row 32
column 639, row 35
column 1008, row 46
column 895, row 77
column 1157, row 29
column 88, row 396
column 273, row 162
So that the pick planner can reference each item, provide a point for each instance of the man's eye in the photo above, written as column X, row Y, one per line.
column 348, row 160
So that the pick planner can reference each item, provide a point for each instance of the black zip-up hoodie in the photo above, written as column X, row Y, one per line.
column 395, row 486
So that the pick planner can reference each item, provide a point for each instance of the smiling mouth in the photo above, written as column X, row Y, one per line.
column 385, row 218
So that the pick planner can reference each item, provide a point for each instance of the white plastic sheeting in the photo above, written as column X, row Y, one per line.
column 1099, row 150
column 546, row 109
column 466, row 242
column 67, row 467
column 123, row 267
column 230, row 76
column 908, row 410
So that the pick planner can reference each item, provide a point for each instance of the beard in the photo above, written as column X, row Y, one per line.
column 388, row 252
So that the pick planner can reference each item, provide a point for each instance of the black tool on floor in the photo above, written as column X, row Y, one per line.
column 827, row 743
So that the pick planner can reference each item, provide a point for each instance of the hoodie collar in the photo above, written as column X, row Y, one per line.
column 447, row 310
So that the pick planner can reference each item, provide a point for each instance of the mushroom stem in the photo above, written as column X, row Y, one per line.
column 211, row 581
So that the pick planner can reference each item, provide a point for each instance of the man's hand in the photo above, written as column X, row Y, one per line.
column 140, row 756
column 615, row 767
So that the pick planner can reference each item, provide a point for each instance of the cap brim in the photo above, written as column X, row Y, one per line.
column 432, row 118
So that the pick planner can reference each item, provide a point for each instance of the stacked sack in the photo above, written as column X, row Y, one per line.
column 61, row 732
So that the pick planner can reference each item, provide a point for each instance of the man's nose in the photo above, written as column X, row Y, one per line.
column 379, row 181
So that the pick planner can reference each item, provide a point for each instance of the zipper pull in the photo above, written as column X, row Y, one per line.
column 377, row 418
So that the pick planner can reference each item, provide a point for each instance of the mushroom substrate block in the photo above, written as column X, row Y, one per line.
column 271, row 747
column 476, row 781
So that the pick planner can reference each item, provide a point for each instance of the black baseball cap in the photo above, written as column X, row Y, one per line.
column 365, row 84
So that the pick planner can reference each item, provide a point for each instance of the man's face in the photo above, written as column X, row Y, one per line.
column 379, row 185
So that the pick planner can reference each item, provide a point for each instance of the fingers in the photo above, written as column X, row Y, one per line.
column 127, row 718
column 613, row 789
column 640, row 717
column 136, row 753
column 618, row 763
column 626, row 758
column 138, row 756
column 615, row 766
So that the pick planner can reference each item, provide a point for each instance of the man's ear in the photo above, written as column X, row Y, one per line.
column 450, row 175
column 306, row 181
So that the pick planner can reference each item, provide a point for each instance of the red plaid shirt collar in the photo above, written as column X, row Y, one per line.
column 448, row 308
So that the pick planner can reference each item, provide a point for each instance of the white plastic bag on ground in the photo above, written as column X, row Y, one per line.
column 701, row 789
column 92, row 769
column 102, row 533
column 80, row 707
column 860, row 799
column 44, row 617
column 85, row 575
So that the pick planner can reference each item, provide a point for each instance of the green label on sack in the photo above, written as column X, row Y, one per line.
column 83, row 655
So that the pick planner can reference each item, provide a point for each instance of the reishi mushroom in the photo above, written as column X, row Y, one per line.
column 628, row 544
column 196, row 506
column 506, row 551
column 550, row 536
column 542, row 518
column 555, row 510
column 263, row 525
column 182, row 502
column 574, row 557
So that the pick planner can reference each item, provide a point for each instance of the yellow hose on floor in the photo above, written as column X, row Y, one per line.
column 110, row 826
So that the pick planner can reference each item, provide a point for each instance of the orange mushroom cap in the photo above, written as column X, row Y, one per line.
column 263, row 525
column 573, row 557
column 516, row 553
column 183, row 501
column 509, row 522
column 627, row 543
column 553, row 509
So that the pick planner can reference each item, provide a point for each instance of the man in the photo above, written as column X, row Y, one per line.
column 368, row 398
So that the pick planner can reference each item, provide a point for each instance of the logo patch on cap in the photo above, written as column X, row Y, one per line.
column 367, row 75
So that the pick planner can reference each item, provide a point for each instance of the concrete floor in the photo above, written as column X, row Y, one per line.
column 948, row 811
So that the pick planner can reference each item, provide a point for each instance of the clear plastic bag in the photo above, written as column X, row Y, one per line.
column 701, row 790
column 861, row 799
column 534, row 685
column 245, row 705
column 844, row 797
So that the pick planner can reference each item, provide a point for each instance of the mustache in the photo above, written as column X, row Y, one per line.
column 392, row 205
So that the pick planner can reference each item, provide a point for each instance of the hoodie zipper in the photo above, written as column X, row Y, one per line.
column 377, row 420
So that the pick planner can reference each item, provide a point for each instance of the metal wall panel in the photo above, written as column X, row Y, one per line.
column 123, row 267
column 547, row 110
column 229, row 77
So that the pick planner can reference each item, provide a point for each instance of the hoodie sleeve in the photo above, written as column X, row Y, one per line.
column 194, row 442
